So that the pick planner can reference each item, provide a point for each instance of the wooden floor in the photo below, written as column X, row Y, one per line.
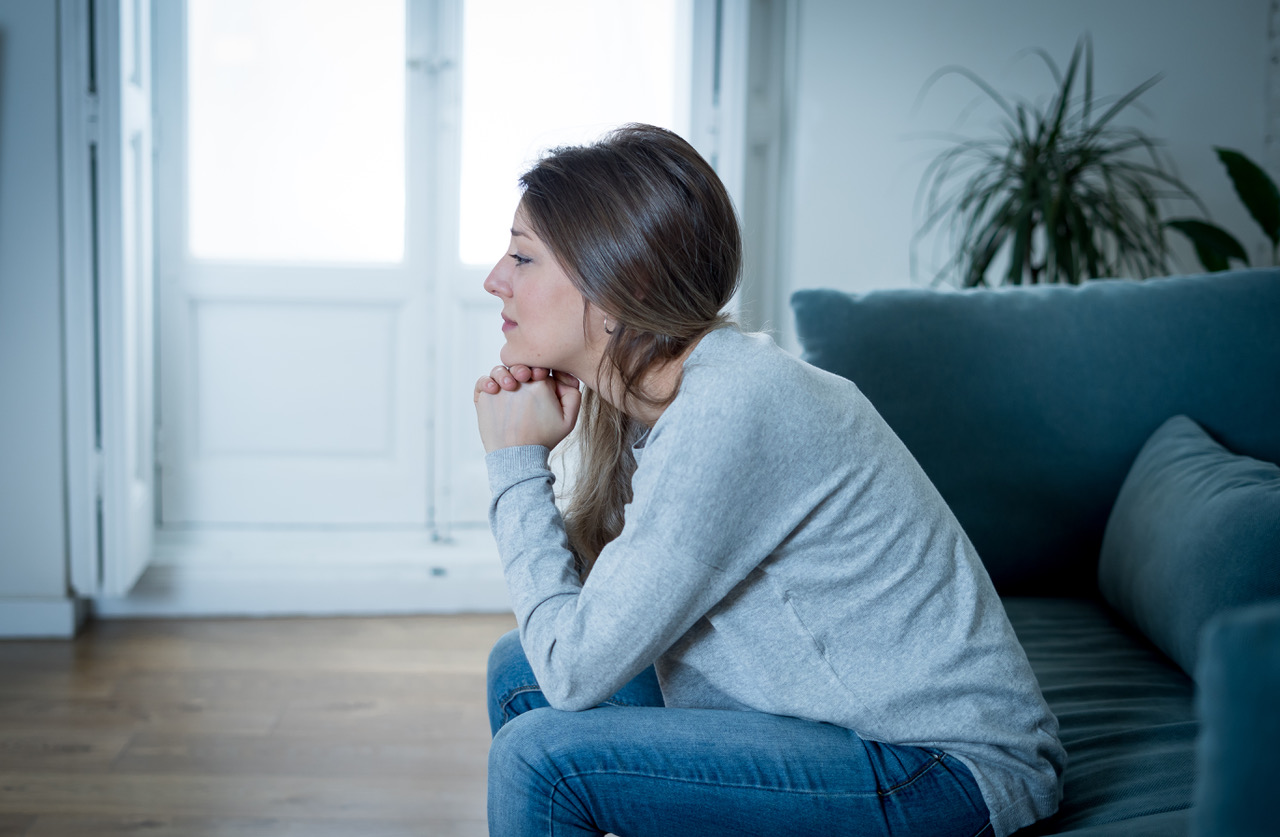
column 255, row 728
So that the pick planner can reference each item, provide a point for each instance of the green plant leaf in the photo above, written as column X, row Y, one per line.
column 1124, row 101
column 1214, row 245
column 1058, row 188
column 1088, row 79
column 1256, row 189
column 1063, row 97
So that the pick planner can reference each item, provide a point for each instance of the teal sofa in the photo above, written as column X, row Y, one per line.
column 1111, row 450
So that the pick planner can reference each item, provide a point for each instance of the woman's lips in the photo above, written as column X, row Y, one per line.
column 507, row 324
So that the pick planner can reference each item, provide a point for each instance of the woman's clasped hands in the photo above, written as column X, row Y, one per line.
column 523, row 405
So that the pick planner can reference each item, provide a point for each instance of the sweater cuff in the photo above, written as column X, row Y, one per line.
column 508, row 466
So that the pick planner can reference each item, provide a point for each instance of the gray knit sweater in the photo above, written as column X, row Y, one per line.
column 783, row 553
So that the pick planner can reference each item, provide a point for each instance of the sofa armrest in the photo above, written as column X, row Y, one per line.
column 1238, row 692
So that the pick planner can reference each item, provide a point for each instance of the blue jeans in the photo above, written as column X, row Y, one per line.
column 635, row 768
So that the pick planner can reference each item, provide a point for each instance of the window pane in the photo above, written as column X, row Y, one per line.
column 542, row 74
column 296, row 129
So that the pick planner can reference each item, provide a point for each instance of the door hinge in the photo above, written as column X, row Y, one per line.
column 98, row 477
column 92, row 124
column 429, row 66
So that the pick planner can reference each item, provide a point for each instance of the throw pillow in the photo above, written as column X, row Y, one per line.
column 1194, row 530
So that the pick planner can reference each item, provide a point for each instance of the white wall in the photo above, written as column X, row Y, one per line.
column 33, row 566
column 860, row 66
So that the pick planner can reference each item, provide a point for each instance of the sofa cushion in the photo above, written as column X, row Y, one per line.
column 1026, row 406
column 1126, row 717
column 1195, row 530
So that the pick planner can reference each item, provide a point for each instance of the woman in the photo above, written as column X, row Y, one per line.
column 774, row 620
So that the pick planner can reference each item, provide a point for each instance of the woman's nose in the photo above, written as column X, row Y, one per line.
column 497, row 284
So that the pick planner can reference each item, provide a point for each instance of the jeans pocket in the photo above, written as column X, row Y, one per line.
column 899, row 767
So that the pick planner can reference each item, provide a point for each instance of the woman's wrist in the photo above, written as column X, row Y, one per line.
column 510, row 465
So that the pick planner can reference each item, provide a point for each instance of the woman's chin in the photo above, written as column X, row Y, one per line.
column 510, row 357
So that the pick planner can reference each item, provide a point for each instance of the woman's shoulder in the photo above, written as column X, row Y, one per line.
column 729, row 352
column 754, row 366
column 738, row 378
column 728, row 365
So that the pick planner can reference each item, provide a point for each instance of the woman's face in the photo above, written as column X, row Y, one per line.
column 542, row 312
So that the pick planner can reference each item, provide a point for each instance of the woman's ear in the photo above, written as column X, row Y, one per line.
column 597, row 325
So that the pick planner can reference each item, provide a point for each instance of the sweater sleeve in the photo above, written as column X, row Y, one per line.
column 701, row 519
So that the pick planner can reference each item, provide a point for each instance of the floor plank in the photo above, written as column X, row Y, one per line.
column 279, row 755
column 251, row 728
column 78, row 826
column 432, row 687
column 284, row 797
column 69, row 750
column 98, row 714
column 15, row 825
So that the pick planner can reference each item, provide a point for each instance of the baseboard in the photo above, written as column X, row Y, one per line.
column 314, row 573
column 41, row 618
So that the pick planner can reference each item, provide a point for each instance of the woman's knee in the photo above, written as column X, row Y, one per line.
column 527, row 749
column 536, row 772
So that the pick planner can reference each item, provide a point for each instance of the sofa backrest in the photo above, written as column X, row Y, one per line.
column 1026, row 406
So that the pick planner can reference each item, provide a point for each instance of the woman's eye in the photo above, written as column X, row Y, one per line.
column 520, row 259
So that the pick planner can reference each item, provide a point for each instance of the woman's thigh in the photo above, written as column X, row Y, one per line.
column 640, row 771
column 512, row 688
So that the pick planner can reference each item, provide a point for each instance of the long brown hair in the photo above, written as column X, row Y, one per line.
column 647, row 233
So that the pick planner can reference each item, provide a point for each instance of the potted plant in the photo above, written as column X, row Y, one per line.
column 1063, row 190
column 1215, row 247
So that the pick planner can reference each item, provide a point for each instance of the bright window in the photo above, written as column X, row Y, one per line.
column 296, row 115
column 556, row 72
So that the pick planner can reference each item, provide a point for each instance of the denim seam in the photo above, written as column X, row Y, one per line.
column 934, row 762
column 505, row 702
column 556, row 786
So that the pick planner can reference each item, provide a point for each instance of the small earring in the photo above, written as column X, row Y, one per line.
column 607, row 330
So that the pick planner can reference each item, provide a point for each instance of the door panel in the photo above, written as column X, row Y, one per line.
column 327, row 390
column 297, row 315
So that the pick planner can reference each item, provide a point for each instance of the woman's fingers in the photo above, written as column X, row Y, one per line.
column 502, row 377
column 570, row 402
column 524, row 374
column 506, row 377
column 510, row 378
column 565, row 378
column 565, row 384
column 485, row 383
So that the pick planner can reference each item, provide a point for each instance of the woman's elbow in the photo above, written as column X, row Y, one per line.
column 569, row 696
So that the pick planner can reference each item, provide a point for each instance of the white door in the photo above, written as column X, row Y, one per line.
column 297, row 319
column 117, row 239
column 338, row 178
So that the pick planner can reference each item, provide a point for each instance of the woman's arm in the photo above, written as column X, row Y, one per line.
column 703, row 516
